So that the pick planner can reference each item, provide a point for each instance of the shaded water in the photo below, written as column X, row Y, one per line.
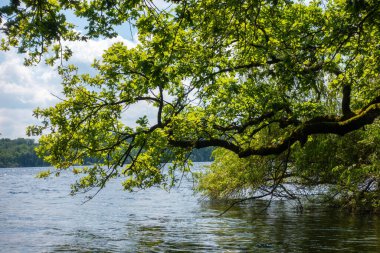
column 40, row 216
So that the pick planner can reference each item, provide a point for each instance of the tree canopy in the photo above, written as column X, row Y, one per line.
column 259, row 78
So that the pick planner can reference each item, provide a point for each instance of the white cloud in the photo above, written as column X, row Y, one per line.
column 86, row 52
column 24, row 88
column 138, row 110
column 21, row 90
column 13, row 122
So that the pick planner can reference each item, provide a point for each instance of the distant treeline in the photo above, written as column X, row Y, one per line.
column 20, row 153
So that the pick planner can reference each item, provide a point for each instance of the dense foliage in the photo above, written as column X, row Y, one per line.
column 260, row 78
column 341, row 171
column 19, row 153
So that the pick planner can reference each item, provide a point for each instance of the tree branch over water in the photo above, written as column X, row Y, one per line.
column 252, row 77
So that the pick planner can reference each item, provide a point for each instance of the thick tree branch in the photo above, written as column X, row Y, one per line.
column 346, row 101
column 319, row 125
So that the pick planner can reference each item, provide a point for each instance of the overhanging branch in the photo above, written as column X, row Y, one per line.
column 339, row 127
column 319, row 125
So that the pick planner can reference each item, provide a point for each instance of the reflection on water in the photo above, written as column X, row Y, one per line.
column 281, row 229
column 40, row 216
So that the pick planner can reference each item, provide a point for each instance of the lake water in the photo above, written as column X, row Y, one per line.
column 39, row 216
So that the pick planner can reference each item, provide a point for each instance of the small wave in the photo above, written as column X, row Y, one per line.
column 18, row 192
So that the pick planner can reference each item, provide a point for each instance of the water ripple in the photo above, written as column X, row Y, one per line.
column 40, row 216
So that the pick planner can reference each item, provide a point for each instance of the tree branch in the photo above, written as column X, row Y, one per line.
column 346, row 101
column 318, row 125
column 247, row 66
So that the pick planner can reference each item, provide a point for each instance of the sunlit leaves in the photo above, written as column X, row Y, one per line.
column 246, row 75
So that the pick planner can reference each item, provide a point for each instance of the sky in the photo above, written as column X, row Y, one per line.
column 23, row 89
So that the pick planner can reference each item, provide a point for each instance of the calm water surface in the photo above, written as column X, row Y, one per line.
column 39, row 216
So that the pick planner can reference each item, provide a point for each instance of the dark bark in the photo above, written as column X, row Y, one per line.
column 346, row 101
column 319, row 125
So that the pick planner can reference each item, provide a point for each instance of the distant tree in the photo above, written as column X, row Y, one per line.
column 258, row 78
column 19, row 153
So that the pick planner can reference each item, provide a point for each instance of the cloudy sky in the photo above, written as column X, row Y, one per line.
column 24, row 88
